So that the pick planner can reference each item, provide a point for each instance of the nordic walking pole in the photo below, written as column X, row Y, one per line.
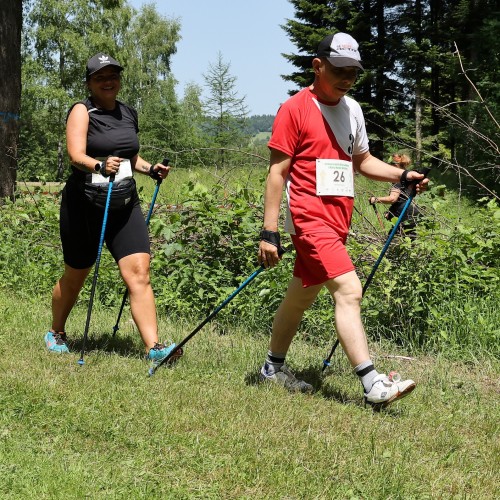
column 413, row 193
column 212, row 315
column 96, row 269
column 165, row 162
column 378, row 215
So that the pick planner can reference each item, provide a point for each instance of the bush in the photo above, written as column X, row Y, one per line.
column 437, row 293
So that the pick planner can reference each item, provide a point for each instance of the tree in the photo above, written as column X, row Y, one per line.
column 226, row 112
column 10, row 93
column 59, row 38
column 415, row 96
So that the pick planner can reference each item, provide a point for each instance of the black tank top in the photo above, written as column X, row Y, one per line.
column 110, row 132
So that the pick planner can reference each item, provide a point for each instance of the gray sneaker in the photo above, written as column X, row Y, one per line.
column 286, row 378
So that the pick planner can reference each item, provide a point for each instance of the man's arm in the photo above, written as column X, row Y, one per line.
column 278, row 170
column 375, row 169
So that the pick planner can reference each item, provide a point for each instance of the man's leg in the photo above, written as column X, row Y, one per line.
column 289, row 314
column 347, row 292
column 379, row 390
column 285, row 325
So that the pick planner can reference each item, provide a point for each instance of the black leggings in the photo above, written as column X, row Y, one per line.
column 81, row 226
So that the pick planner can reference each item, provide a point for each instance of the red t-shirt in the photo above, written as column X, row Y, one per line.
column 306, row 130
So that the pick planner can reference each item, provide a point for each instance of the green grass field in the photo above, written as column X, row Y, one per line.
column 206, row 429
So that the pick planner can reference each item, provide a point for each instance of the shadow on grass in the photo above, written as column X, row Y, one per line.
column 123, row 346
column 315, row 377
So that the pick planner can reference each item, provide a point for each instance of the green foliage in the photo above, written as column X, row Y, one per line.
column 30, row 256
column 438, row 293
column 205, row 247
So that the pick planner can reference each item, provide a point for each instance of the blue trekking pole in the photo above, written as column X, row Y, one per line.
column 165, row 162
column 172, row 353
column 425, row 171
column 96, row 269
column 153, row 369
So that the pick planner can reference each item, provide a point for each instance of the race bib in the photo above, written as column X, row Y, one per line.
column 334, row 178
column 124, row 172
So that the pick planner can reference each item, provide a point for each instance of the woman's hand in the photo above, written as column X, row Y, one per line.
column 111, row 166
column 159, row 171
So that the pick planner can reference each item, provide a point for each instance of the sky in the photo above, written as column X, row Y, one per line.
column 248, row 35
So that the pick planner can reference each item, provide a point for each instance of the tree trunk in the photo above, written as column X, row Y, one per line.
column 10, row 93
column 418, row 86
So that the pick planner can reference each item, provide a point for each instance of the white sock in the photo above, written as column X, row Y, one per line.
column 366, row 372
column 274, row 361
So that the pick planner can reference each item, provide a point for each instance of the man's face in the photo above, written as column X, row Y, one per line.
column 334, row 82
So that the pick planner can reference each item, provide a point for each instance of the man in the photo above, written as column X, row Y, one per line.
column 318, row 141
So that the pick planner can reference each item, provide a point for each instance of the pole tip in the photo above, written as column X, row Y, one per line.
column 151, row 372
column 81, row 362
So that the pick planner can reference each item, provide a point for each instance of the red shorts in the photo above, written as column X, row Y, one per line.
column 320, row 257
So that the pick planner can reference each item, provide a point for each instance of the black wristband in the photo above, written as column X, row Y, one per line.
column 403, row 181
column 272, row 237
column 406, row 183
column 153, row 173
column 103, row 168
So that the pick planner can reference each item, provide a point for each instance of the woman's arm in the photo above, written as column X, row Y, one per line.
column 76, row 138
column 387, row 200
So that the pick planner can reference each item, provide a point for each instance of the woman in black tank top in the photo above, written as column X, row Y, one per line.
column 101, row 134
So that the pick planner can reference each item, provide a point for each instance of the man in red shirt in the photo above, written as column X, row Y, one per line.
column 318, row 141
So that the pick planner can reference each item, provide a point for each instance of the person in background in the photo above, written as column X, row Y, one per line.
column 318, row 141
column 397, row 198
column 102, row 141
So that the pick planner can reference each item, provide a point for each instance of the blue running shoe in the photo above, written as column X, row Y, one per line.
column 161, row 351
column 56, row 342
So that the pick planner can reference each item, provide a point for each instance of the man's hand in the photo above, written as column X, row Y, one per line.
column 270, row 250
column 409, row 177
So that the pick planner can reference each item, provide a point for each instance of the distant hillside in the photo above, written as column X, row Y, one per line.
column 259, row 123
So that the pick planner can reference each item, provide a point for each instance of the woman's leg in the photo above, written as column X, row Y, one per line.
column 134, row 269
column 65, row 294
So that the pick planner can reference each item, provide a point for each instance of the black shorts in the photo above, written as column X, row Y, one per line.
column 81, row 226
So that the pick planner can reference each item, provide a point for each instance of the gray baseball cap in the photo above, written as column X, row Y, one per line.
column 341, row 50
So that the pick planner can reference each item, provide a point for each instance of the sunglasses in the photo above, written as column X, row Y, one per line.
column 105, row 78
column 348, row 73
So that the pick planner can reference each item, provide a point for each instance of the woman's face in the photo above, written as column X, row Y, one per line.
column 105, row 83
column 396, row 160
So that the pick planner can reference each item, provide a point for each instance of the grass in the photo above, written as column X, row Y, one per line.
column 206, row 429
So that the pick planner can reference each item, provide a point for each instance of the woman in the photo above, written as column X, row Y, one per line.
column 398, row 196
column 101, row 135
